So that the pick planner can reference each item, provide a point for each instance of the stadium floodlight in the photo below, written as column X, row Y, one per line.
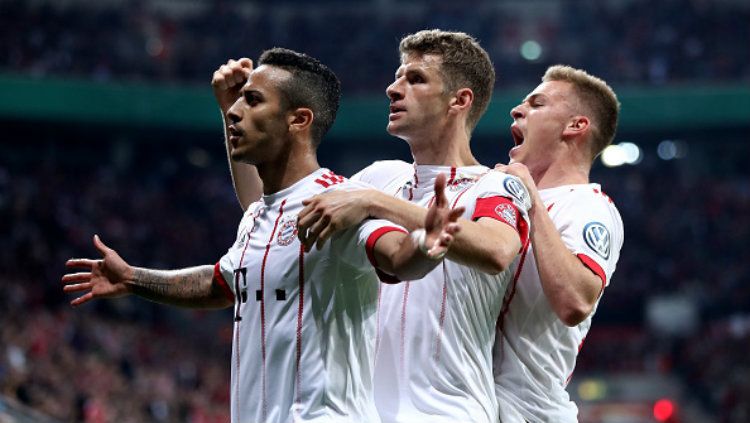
column 531, row 50
column 613, row 156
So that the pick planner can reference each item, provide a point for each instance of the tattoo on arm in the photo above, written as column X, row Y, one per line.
column 191, row 287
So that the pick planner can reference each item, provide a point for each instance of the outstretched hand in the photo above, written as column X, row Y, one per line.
column 104, row 278
column 441, row 222
column 228, row 80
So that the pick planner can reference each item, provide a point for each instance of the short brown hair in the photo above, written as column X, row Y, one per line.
column 596, row 97
column 464, row 64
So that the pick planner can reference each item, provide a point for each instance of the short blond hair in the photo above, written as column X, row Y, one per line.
column 597, row 99
column 464, row 64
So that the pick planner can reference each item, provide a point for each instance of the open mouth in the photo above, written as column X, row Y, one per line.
column 396, row 109
column 517, row 134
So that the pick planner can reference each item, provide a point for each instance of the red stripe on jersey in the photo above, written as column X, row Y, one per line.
column 570, row 376
column 402, row 345
column 414, row 185
column 237, row 363
column 550, row 207
column 441, row 321
column 508, row 298
column 219, row 280
column 369, row 248
column 328, row 179
column 452, row 178
column 300, row 312
column 263, row 306
column 238, row 320
column 460, row 194
column 594, row 266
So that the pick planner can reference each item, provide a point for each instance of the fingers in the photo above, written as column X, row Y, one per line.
column 76, row 277
column 456, row 213
column 501, row 167
column 78, row 287
column 324, row 235
column 232, row 74
column 440, row 199
column 103, row 249
column 315, row 230
column 304, row 220
column 82, row 299
column 87, row 263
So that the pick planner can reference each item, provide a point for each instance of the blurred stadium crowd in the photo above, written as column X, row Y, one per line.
column 161, row 207
column 171, row 204
column 635, row 41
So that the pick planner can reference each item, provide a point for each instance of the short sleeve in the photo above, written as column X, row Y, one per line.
column 503, row 197
column 355, row 246
column 591, row 228
column 384, row 174
column 224, row 269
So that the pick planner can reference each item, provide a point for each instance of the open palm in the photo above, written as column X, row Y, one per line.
column 103, row 278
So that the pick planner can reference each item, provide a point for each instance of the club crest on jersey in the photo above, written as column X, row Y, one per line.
column 517, row 190
column 287, row 231
column 596, row 236
column 507, row 213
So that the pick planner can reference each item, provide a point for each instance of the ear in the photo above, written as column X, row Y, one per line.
column 462, row 100
column 300, row 120
column 576, row 127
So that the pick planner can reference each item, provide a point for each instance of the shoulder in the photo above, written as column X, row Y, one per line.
column 505, row 185
column 589, row 211
column 382, row 167
column 588, row 198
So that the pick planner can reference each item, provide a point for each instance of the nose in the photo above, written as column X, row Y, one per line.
column 394, row 91
column 517, row 112
column 233, row 112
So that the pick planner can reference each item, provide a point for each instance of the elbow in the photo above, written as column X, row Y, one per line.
column 573, row 314
column 499, row 261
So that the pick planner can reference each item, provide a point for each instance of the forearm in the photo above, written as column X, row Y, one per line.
column 192, row 287
column 245, row 179
column 485, row 247
column 570, row 287
column 400, row 256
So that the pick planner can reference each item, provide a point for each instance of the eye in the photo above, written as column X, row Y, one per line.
column 252, row 99
column 416, row 78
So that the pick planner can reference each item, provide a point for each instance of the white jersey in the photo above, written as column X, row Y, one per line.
column 434, row 355
column 304, row 331
column 535, row 351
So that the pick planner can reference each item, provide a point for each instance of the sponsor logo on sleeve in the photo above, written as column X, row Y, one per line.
column 517, row 190
column 597, row 238
column 507, row 213
column 287, row 231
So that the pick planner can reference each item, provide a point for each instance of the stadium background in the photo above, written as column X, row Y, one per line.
column 108, row 126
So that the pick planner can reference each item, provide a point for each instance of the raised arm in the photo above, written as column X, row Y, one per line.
column 112, row 277
column 410, row 257
column 570, row 287
column 226, row 83
column 485, row 244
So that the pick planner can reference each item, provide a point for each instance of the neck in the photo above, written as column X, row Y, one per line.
column 560, row 173
column 287, row 170
column 447, row 147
